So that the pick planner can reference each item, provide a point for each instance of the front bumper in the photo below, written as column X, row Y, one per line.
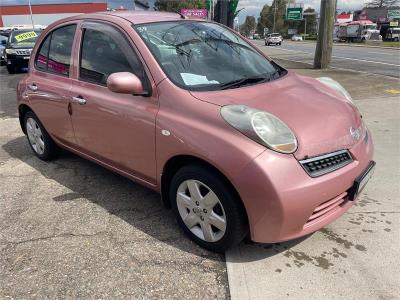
column 283, row 202
column 21, row 61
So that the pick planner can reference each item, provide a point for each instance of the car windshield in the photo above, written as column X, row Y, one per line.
column 206, row 56
column 372, row 27
column 24, row 36
column 275, row 35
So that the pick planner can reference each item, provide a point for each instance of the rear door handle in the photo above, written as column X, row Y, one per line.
column 33, row 87
column 79, row 100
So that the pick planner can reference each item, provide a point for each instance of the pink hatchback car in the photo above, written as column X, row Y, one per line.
column 234, row 143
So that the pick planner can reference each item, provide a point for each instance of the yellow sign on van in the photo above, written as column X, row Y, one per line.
column 25, row 36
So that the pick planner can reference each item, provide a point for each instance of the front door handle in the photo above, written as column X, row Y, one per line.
column 79, row 100
column 33, row 87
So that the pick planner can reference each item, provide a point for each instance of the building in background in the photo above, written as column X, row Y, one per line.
column 344, row 18
column 384, row 17
column 44, row 12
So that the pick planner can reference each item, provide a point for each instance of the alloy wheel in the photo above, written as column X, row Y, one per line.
column 201, row 210
column 35, row 136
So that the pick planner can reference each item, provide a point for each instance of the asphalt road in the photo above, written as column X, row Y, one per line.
column 365, row 59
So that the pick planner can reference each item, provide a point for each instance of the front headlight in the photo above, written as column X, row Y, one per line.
column 10, row 51
column 336, row 86
column 261, row 127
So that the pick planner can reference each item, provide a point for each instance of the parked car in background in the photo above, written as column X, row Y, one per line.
column 18, row 48
column 256, row 36
column 393, row 34
column 190, row 109
column 273, row 39
column 297, row 38
column 3, row 43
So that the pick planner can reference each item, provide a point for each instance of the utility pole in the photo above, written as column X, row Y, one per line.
column 273, row 30
column 30, row 10
column 323, row 52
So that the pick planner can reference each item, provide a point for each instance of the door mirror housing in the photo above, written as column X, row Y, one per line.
column 125, row 83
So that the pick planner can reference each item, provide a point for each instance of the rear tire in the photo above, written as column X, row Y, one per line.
column 39, row 140
column 207, row 209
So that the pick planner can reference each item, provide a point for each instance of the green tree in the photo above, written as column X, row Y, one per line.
column 259, row 27
column 248, row 25
column 177, row 5
column 276, row 10
column 311, row 23
column 263, row 21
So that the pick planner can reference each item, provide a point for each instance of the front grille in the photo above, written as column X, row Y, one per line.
column 324, row 164
column 325, row 209
column 23, row 52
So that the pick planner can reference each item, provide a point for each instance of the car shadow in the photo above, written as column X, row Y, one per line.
column 138, row 206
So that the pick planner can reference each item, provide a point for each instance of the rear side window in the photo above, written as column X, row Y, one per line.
column 55, row 52
column 42, row 57
column 105, row 51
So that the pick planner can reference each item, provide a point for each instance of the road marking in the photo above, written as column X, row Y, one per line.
column 347, row 58
column 284, row 49
column 394, row 92
column 338, row 68
column 382, row 53
column 368, row 61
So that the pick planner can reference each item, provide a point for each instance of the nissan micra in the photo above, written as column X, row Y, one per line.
column 236, row 145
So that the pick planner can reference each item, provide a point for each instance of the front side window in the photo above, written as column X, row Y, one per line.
column 206, row 56
column 105, row 52
column 54, row 54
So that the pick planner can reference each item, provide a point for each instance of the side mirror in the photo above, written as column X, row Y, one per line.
column 125, row 83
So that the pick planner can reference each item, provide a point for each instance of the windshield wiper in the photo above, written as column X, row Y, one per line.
column 244, row 81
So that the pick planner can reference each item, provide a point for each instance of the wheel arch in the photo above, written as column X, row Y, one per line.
column 179, row 161
column 22, row 110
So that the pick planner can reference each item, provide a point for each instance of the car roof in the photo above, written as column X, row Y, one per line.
column 140, row 17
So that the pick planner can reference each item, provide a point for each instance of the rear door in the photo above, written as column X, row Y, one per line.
column 49, row 83
column 118, row 129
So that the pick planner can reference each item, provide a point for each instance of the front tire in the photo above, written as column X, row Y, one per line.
column 207, row 208
column 11, row 69
column 39, row 140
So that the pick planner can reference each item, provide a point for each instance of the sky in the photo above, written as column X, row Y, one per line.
column 253, row 7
